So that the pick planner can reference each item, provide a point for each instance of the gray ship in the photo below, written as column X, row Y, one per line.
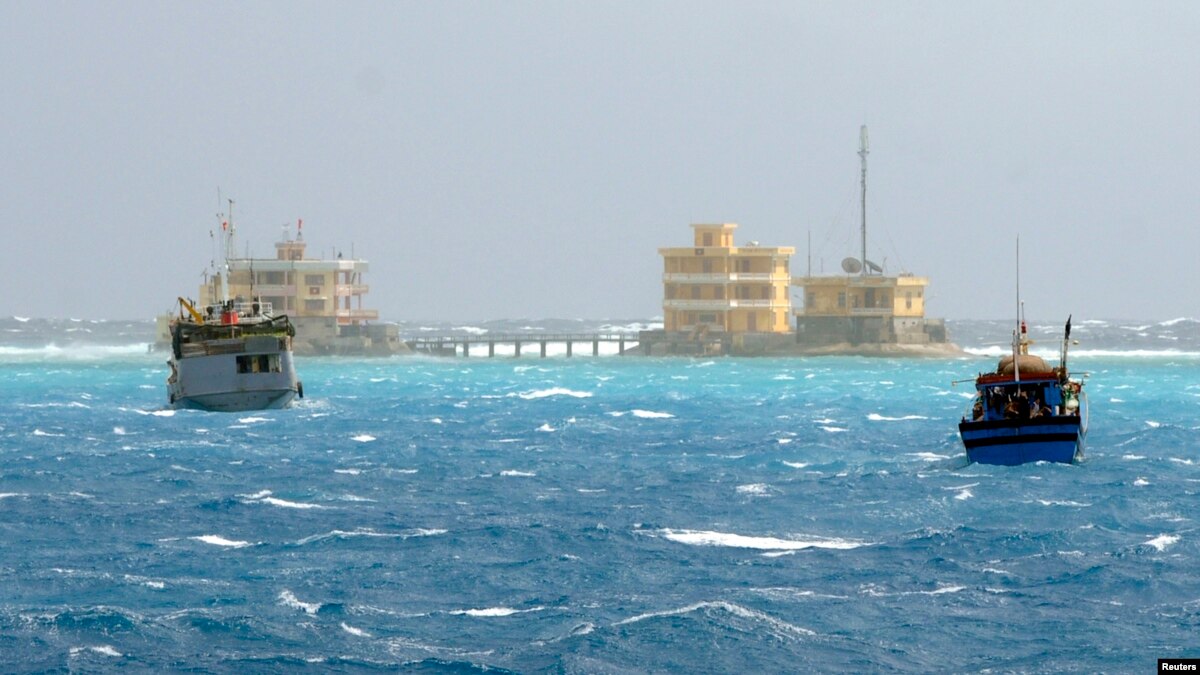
column 233, row 357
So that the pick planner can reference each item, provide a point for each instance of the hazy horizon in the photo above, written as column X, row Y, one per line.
column 509, row 160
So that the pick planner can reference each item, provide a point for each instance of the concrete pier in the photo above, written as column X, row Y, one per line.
column 461, row 344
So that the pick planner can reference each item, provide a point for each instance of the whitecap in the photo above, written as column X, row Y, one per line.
column 257, row 495
column 290, row 505
column 363, row 438
column 104, row 650
column 964, row 495
column 119, row 431
column 876, row 417
column 217, row 540
column 351, row 472
column 783, row 441
column 928, row 456
column 1152, row 424
column 757, row 489
column 367, row 532
column 1141, row 482
column 1133, row 457
column 1066, row 502
column 647, row 414
column 1162, row 541
column 546, row 427
column 513, row 472
column 289, row 599
column 253, row 420
column 796, row 465
column 737, row 610
column 494, row 611
column 553, row 391
column 702, row 538
column 835, row 430
column 357, row 632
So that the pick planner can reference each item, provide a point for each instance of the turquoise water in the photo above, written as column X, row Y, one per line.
column 589, row 515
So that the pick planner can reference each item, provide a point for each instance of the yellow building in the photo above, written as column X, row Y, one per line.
column 716, row 286
column 322, row 297
column 860, row 308
column 331, row 290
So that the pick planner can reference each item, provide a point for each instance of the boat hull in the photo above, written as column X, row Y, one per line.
column 1012, row 441
column 218, row 383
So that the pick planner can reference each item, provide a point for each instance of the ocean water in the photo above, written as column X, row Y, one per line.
column 592, row 515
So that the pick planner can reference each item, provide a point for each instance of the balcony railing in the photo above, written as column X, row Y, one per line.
column 359, row 314
column 731, row 303
column 347, row 290
column 722, row 277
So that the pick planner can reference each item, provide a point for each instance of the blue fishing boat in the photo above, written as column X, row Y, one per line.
column 1027, row 410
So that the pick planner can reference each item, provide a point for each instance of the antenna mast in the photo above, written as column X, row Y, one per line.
column 862, row 152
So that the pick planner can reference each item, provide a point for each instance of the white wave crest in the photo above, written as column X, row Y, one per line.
column 363, row 438
column 756, row 489
column 1162, row 541
column 546, row 427
column 357, row 632
column 289, row 599
column 795, row 465
column 644, row 414
column 876, row 417
column 283, row 503
column 367, row 532
column 782, row 627
column 494, row 611
column 520, row 474
column 553, row 391
column 702, row 538
column 218, row 540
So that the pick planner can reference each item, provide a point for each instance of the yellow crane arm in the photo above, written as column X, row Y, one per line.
column 191, row 310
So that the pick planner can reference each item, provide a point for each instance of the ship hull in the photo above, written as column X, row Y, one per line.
column 234, row 381
column 1012, row 442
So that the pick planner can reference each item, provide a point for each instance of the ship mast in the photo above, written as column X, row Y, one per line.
column 227, row 230
column 862, row 152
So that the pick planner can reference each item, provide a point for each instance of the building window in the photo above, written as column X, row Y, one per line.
column 695, row 292
column 314, row 305
column 706, row 266
column 842, row 299
column 707, row 239
column 314, row 279
column 908, row 300
column 719, row 292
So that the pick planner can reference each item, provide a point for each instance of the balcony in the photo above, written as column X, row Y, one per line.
column 727, row 304
column 358, row 314
column 723, row 278
column 349, row 290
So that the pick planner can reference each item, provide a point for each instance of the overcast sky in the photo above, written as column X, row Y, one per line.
column 527, row 159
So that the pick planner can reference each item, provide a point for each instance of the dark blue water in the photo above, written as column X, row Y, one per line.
column 593, row 515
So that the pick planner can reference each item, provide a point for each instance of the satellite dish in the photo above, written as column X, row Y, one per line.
column 873, row 267
column 851, row 265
